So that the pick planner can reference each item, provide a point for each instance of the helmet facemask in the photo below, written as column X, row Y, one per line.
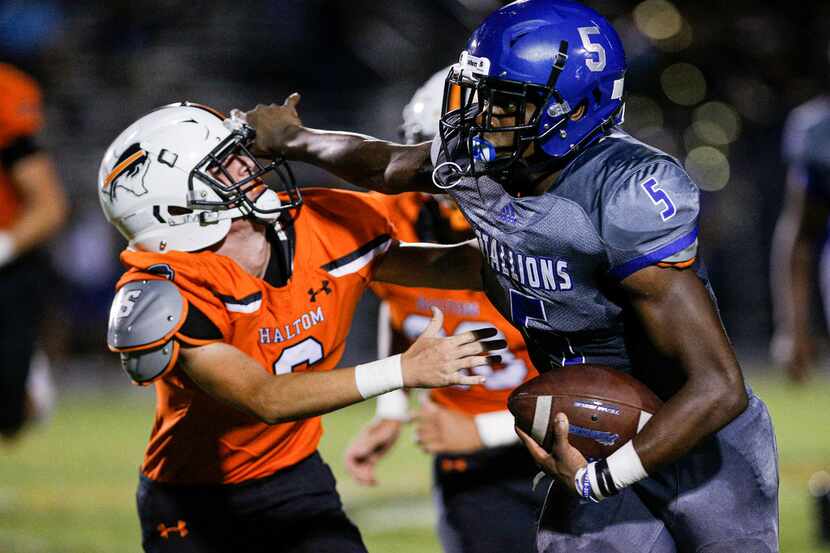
column 244, row 194
column 473, row 105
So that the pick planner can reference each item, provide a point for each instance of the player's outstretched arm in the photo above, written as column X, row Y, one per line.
column 359, row 159
column 801, row 225
column 679, row 316
column 234, row 377
column 449, row 267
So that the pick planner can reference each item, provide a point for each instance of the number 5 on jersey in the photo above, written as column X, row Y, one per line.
column 659, row 198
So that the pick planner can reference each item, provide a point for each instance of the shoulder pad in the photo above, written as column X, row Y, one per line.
column 145, row 314
column 146, row 365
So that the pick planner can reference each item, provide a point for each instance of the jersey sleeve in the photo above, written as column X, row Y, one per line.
column 650, row 218
column 796, row 144
column 207, row 319
column 356, row 229
column 198, row 329
column 805, row 146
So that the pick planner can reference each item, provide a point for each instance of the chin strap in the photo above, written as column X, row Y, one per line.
column 267, row 201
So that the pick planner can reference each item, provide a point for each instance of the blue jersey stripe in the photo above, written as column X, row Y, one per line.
column 629, row 267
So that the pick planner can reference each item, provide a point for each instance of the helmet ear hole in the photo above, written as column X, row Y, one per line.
column 176, row 210
column 597, row 93
column 579, row 111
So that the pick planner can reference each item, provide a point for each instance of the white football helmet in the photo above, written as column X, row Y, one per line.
column 422, row 113
column 158, row 180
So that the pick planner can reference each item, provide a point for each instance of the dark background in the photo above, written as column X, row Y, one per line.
column 710, row 82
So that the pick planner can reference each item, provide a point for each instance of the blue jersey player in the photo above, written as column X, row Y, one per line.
column 591, row 249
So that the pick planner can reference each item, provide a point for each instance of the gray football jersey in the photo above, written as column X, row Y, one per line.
column 553, row 262
column 806, row 144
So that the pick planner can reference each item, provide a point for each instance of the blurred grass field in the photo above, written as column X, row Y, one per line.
column 68, row 486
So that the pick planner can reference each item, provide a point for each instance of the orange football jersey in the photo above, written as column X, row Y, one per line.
column 301, row 326
column 20, row 115
column 464, row 310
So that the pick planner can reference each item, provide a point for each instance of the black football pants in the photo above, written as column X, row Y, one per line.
column 22, row 288
column 296, row 510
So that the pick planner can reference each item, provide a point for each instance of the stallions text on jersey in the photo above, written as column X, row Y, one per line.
column 552, row 261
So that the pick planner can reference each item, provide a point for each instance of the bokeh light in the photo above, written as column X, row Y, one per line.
column 683, row 84
column 708, row 167
column 716, row 123
column 658, row 19
column 677, row 42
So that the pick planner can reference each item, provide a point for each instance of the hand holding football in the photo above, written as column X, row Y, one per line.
column 605, row 407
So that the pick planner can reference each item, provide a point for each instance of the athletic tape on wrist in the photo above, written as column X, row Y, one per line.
column 393, row 405
column 6, row 248
column 379, row 377
column 605, row 484
column 582, row 481
column 625, row 466
column 497, row 428
column 596, row 494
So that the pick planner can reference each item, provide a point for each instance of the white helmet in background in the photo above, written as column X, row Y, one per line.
column 158, row 180
column 420, row 123
column 423, row 112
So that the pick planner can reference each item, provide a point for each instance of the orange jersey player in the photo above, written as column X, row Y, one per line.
column 32, row 210
column 236, row 305
column 481, row 471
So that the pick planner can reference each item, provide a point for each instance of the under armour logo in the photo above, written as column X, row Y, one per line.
column 313, row 293
column 453, row 465
column 181, row 528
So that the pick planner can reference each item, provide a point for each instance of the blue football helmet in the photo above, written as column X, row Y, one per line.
column 560, row 57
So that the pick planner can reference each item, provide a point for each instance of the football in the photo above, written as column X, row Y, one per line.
column 605, row 407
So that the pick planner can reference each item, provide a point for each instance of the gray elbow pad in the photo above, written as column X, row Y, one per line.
column 144, row 318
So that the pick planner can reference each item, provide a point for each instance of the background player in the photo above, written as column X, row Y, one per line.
column 236, row 304
column 481, row 471
column 590, row 242
column 801, row 226
column 32, row 209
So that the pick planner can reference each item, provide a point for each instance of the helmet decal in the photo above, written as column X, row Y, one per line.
column 128, row 173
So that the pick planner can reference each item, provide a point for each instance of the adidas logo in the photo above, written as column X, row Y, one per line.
column 507, row 214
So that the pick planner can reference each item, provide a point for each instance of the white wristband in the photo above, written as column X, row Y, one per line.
column 6, row 248
column 379, row 377
column 592, row 478
column 496, row 429
column 625, row 466
column 393, row 405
